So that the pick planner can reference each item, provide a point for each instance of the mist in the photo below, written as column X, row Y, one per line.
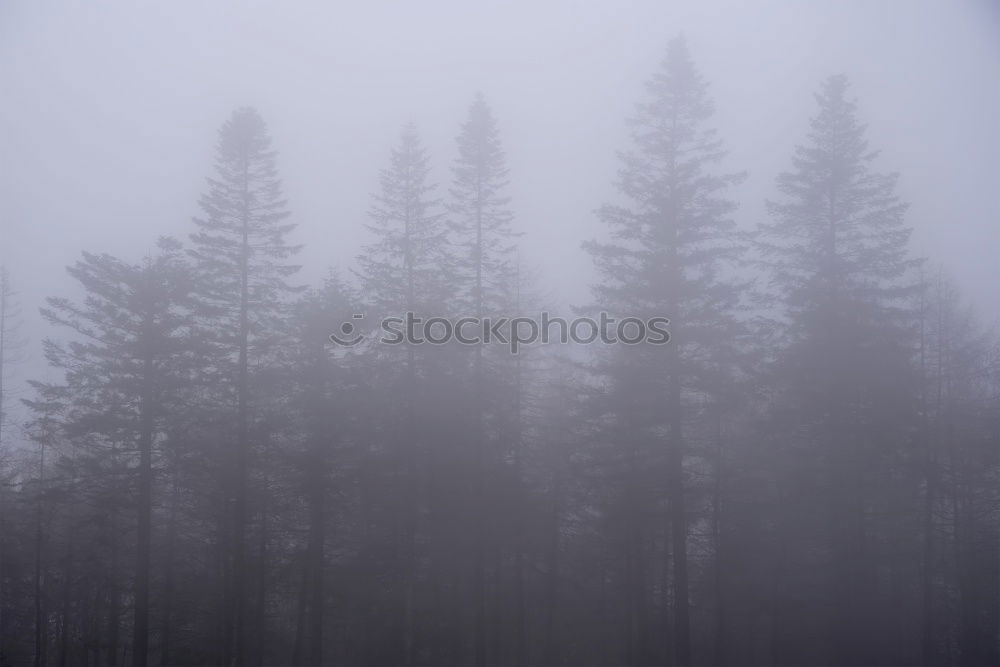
column 499, row 333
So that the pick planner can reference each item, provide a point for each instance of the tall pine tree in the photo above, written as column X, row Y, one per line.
column 837, row 247
column 242, row 258
column 481, row 230
column 122, row 374
column 406, row 269
column 671, row 254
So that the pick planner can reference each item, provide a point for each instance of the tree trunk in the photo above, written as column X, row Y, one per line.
column 315, row 568
column 41, row 639
column 236, row 653
column 67, row 600
column 678, row 526
column 166, row 618
column 140, row 627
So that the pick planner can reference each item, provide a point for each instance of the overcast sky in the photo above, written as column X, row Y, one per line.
column 109, row 113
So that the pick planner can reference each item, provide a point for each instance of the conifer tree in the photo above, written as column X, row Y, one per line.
column 242, row 259
column 671, row 254
column 837, row 247
column 480, row 213
column 122, row 371
column 958, row 457
column 321, row 382
column 406, row 270
column 11, row 347
column 481, row 231
column 406, row 267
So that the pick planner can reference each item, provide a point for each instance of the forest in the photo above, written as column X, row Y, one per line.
column 806, row 473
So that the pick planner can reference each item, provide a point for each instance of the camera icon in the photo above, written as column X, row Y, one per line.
column 347, row 329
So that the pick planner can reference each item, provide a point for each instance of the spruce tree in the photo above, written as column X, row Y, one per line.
column 406, row 269
column 958, row 458
column 242, row 259
column 322, row 384
column 11, row 348
column 121, row 372
column 671, row 254
column 481, row 219
column 837, row 247
column 480, row 214
column 12, row 345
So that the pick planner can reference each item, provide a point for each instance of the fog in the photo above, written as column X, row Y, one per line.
column 110, row 113
column 109, row 124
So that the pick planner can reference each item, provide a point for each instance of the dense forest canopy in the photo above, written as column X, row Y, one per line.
column 780, row 444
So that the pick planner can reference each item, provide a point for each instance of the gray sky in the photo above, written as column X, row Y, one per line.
column 109, row 114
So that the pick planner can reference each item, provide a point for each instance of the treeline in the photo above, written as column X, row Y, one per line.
column 807, row 473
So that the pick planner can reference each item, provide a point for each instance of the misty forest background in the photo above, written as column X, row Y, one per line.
column 806, row 474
